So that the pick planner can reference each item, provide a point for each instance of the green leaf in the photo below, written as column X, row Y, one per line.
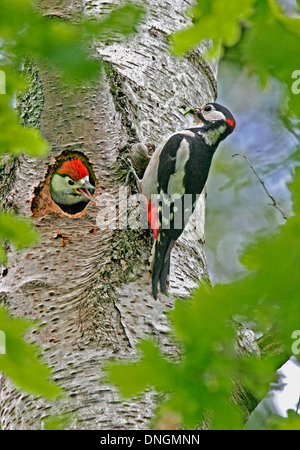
column 57, row 422
column 21, row 361
column 3, row 256
column 60, row 44
column 253, row 34
column 291, row 422
column 17, row 139
column 218, row 21
column 271, row 30
column 121, row 21
column 25, row 140
column 20, row 232
column 134, row 378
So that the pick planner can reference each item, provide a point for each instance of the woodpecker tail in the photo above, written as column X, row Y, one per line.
column 159, row 263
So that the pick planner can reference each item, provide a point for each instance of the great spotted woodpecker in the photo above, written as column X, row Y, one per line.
column 174, row 177
column 70, row 186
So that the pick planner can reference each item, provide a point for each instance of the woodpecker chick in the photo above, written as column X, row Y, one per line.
column 175, row 177
column 70, row 186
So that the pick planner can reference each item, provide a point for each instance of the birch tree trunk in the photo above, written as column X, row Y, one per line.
column 87, row 285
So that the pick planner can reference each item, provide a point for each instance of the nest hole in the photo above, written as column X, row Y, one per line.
column 43, row 200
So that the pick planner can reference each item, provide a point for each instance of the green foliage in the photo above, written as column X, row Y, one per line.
column 215, row 20
column 269, row 421
column 121, row 21
column 15, row 138
column 59, row 43
column 254, row 34
column 201, row 382
column 21, row 361
column 19, row 232
column 27, row 140
column 291, row 422
column 57, row 422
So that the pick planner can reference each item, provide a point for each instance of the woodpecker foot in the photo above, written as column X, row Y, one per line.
column 165, row 292
column 156, row 294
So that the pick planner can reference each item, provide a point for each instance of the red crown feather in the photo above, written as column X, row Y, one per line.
column 74, row 168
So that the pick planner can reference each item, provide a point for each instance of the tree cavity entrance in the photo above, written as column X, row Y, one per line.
column 68, row 187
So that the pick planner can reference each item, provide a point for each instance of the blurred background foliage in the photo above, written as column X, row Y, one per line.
column 28, row 37
column 253, row 252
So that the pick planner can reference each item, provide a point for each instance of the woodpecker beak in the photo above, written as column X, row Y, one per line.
column 197, row 113
column 84, row 191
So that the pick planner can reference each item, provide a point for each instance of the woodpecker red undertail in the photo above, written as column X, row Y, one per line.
column 173, row 180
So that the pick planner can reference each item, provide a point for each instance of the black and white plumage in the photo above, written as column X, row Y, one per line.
column 175, row 177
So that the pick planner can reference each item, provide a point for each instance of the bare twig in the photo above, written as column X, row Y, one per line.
column 274, row 203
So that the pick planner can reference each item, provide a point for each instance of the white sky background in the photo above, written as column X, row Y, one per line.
column 289, row 396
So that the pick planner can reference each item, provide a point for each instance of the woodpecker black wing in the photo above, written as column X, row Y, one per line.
column 182, row 172
column 178, row 172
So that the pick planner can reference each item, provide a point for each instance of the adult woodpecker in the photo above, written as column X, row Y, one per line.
column 180, row 166
column 70, row 186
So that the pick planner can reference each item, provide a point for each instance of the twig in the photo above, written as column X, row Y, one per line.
column 274, row 203
column 298, row 405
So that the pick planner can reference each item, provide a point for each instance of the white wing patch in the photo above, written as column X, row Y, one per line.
column 175, row 185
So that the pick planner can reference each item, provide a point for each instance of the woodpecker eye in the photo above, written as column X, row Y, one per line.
column 208, row 108
column 71, row 182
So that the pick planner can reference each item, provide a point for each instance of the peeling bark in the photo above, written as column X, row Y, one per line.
column 87, row 286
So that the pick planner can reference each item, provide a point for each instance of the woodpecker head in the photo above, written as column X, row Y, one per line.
column 213, row 115
column 70, row 185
